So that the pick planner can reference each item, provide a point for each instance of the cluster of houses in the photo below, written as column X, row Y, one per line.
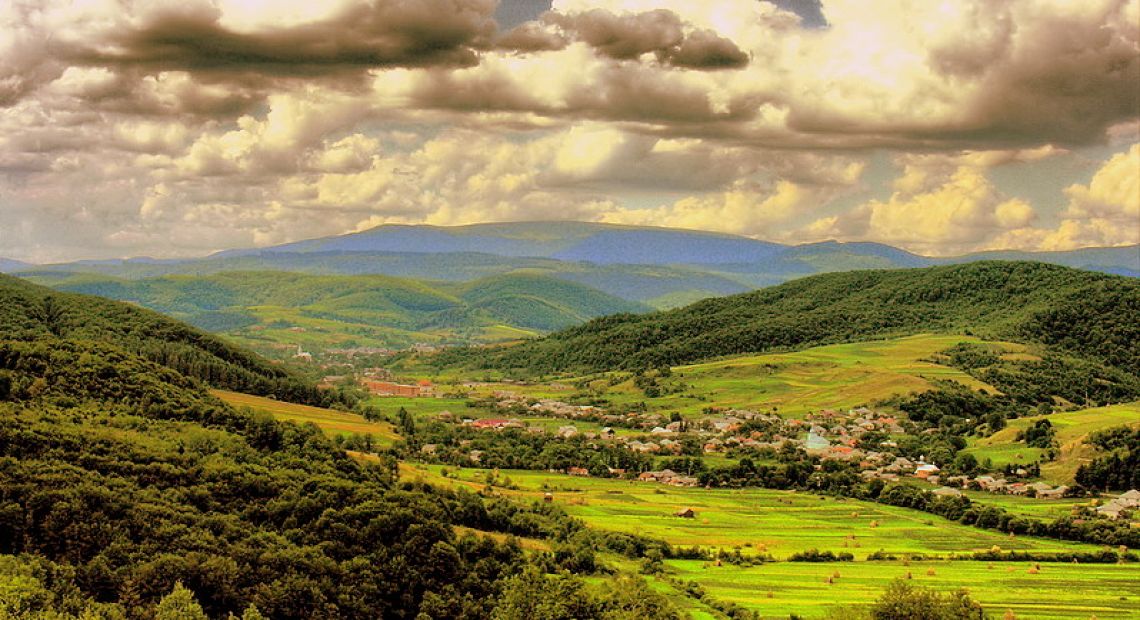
column 669, row 477
column 1122, row 506
column 830, row 434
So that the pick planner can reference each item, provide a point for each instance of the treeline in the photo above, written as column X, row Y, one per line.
column 1119, row 469
column 961, row 509
column 514, row 449
column 1034, row 301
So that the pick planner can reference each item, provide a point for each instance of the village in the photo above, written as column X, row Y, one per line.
column 826, row 435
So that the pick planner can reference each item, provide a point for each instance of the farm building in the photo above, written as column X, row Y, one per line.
column 388, row 388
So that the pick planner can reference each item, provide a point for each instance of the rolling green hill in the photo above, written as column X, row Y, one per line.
column 372, row 310
column 629, row 282
column 29, row 313
column 127, row 490
column 1073, row 429
column 1089, row 314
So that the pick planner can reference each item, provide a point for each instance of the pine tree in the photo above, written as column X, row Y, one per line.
column 180, row 604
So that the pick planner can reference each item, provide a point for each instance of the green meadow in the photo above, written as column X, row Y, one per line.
column 779, row 523
column 421, row 407
column 1072, row 427
column 1055, row 590
column 836, row 376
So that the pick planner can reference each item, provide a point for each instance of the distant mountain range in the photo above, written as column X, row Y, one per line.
column 8, row 265
column 659, row 267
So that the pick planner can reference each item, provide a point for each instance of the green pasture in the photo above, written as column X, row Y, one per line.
column 1072, row 427
column 828, row 377
column 836, row 376
column 1056, row 590
column 756, row 520
column 422, row 407
column 1043, row 509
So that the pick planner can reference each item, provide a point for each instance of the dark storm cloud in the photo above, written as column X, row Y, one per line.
column 628, row 36
column 704, row 49
column 393, row 33
column 532, row 37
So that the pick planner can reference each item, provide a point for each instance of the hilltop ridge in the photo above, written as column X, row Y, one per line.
column 1094, row 315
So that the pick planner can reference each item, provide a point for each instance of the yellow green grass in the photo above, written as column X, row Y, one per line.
column 1042, row 509
column 330, row 421
column 421, row 407
column 757, row 520
column 835, row 376
column 1072, row 428
column 1056, row 590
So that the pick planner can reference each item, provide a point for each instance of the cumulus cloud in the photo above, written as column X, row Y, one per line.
column 1105, row 212
column 660, row 32
column 940, row 205
column 745, row 208
column 227, row 122
column 196, row 36
column 1113, row 193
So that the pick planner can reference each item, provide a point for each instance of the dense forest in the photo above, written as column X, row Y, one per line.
column 128, row 491
column 1091, row 315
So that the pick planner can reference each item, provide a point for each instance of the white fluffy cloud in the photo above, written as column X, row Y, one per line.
column 132, row 126
column 940, row 205
column 1105, row 212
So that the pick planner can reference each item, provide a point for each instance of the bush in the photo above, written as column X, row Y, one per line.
column 815, row 555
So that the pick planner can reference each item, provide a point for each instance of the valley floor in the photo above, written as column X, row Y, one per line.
column 781, row 523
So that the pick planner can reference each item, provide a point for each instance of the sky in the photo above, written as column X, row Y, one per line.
column 178, row 128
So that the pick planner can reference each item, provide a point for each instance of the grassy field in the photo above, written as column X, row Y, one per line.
column 330, row 421
column 781, row 523
column 756, row 520
column 837, row 376
column 421, row 407
column 1072, row 427
column 1057, row 590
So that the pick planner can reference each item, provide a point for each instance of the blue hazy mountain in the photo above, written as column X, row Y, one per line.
column 571, row 241
column 661, row 267
column 8, row 265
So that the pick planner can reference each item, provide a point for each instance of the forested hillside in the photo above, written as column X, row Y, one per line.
column 128, row 491
column 1090, row 314
column 33, row 313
